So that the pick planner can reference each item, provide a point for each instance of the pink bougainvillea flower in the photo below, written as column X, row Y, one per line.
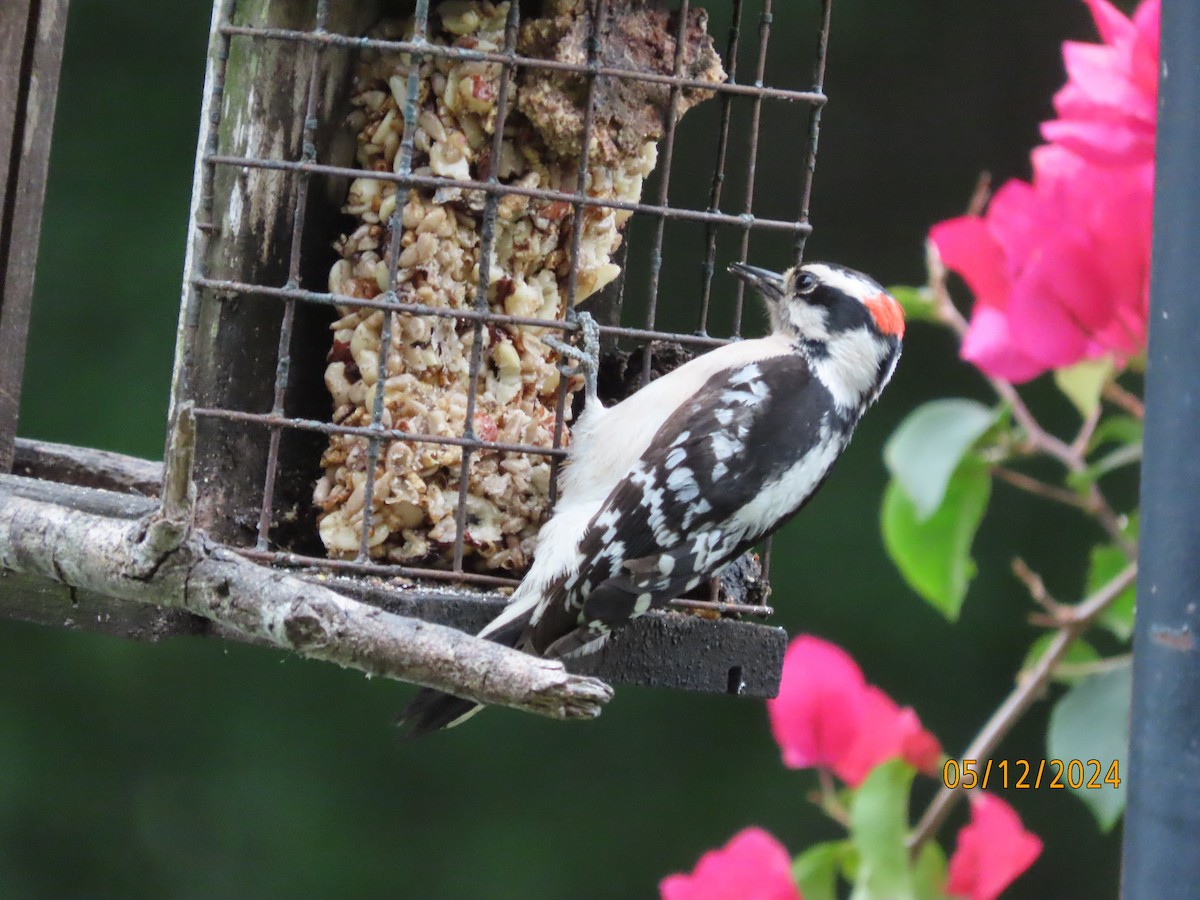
column 992, row 850
column 826, row 715
column 887, row 731
column 1106, row 110
column 1060, row 268
column 816, row 716
column 752, row 866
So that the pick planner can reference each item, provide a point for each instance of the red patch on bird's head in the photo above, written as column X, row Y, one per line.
column 887, row 313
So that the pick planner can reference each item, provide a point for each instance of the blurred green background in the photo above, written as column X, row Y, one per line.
column 196, row 768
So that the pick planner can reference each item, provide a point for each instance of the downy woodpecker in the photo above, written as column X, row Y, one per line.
column 668, row 486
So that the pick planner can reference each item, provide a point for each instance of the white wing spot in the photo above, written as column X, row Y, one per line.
column 642, row 604
column 683, row 483
column 606, row 518
column 745, row 375
column 615, row 550
column 725, row 446
column 699, row 508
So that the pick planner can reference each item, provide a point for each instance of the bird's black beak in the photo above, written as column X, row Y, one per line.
column 770, row 284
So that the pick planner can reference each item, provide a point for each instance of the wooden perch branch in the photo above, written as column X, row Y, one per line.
column 85, row 467
column 95, row 552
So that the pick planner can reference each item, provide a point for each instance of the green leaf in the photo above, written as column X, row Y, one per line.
column 925, row 450
column 815, row 870
column 1116, row 430
column 1083, row 382
column 1108, row 561
column 878, row 828
column 917, row 302
column 929, row 873
column 1091, row 722
column 934, row 554
column 1079, row 653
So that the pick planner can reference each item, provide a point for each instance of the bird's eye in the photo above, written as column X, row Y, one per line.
column 805, row 282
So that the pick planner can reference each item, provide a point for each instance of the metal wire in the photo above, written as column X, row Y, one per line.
column 664, row 186
column 814, row 128
column 486, row 238
column 589, row 115
column 283, row 364
column 718, row 181
column 324, row 298
column 764, row 35
column 743, row 220
column 420, row 25
column 292, row 294
column 552, row 65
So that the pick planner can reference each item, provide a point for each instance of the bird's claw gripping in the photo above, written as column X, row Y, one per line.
column 586, row 354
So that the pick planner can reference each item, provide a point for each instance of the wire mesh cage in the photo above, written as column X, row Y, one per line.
column 395, row 204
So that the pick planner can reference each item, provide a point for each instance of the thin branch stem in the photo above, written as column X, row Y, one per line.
column 828, row 799
column 981, row 195
column 1127, row 400
column 1037, row 589
column 1079, row 446
column 1111, row 522
column 1037, row 438
column 1095, row 667
column 1033, row 486
column 1021, row 698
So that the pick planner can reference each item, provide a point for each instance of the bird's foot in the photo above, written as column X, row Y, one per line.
column 586, row 354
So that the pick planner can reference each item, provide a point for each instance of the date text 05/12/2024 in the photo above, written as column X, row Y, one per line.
column 1088, row 774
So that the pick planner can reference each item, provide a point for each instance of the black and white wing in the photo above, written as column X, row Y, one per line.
column 724, row 471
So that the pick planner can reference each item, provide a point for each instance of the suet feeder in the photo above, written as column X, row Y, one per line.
column 393, row 205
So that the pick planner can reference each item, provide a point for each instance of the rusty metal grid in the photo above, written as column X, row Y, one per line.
column 722, row 212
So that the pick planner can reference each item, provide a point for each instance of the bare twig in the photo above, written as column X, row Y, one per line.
column 1095, row 667
column 1079, row 446
column 1033, row 486
column 981, row 194
column 86, row 467
column 165, row 530
column 1022, row 697
column 723, row 607
column 1037, row 590
column 1037, row 438
column 106, row 555
column 828, row 801
column 1127, row 400
column 179, row 493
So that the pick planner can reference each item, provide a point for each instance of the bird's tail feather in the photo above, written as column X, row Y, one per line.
column 432, row 710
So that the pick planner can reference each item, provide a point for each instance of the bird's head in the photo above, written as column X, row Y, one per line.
column 841, row 318
column 817, row 301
